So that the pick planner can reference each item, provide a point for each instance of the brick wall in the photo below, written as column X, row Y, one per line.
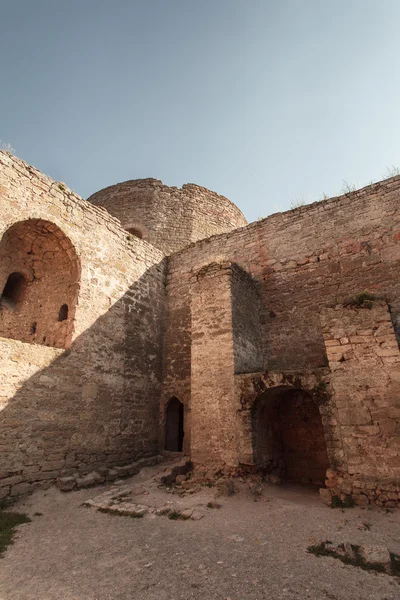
column 96, row 402
column 247, row 345
column 365, row 383
column 213, row 415
column 302, row 261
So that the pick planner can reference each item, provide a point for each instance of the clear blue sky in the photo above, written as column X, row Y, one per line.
column 265, row 101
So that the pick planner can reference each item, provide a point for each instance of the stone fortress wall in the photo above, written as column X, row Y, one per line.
column 170, row 218
column 302, row 263
column 258, row 331
column 82, row 392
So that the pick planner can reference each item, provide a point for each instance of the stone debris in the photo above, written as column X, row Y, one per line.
column 376, row 555
column 181, row 469
column 65, row 484
column 226, row 487
column 119, row 501
column 197, row 515
column 367, row 557
column 89, row 480
column 236, row 538
column 180, row 479
column 103, row 474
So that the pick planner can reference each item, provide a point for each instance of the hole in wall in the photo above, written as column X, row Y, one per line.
column 33, row 328
column 14, row 290
column 63, row 313
column 136, row 232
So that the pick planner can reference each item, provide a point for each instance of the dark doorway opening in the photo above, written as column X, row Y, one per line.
column 174, row 426
column 288, row 436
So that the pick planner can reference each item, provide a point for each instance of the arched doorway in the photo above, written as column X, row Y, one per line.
column 174, row 426
column 39, row 283
column 288, row 436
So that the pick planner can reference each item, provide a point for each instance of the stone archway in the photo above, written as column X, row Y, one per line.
column 174, row 432
column 288, row 436
column 39, row 284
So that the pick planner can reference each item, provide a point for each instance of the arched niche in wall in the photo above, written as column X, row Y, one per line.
column 39, row 284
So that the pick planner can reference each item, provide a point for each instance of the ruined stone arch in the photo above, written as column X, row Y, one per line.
column 39, row 283
column 288, row 436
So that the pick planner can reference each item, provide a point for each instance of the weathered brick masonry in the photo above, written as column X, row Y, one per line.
column 301, row 263
column 256, row 337
column 96, row 403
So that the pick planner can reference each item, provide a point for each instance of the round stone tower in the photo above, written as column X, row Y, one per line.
column 170, row 218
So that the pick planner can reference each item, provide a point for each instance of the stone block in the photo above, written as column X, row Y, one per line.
column 66, row 484
column 133, row 468
column 361, row 500
column 112, row 475
column 376, row 555
column 122, row 471
column 4, row 491
column 326, row 496
column 89, row 480
column 197, row 515
column 22, row 488
column 11, row 480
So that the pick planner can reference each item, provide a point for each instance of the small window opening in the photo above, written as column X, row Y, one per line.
column 63, row 313
column 33, row 328
column 136, row 232
column 14, row 290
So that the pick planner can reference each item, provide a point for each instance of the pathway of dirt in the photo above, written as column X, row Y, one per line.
column 252, row 548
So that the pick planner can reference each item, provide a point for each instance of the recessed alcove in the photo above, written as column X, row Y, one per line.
column 39, row 281
column 288, row 435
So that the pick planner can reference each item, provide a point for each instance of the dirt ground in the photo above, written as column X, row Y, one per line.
column 252, row 548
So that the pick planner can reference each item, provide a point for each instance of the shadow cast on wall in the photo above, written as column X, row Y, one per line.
column 96, row 403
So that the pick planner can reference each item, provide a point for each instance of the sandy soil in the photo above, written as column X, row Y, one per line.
column 246, row 550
